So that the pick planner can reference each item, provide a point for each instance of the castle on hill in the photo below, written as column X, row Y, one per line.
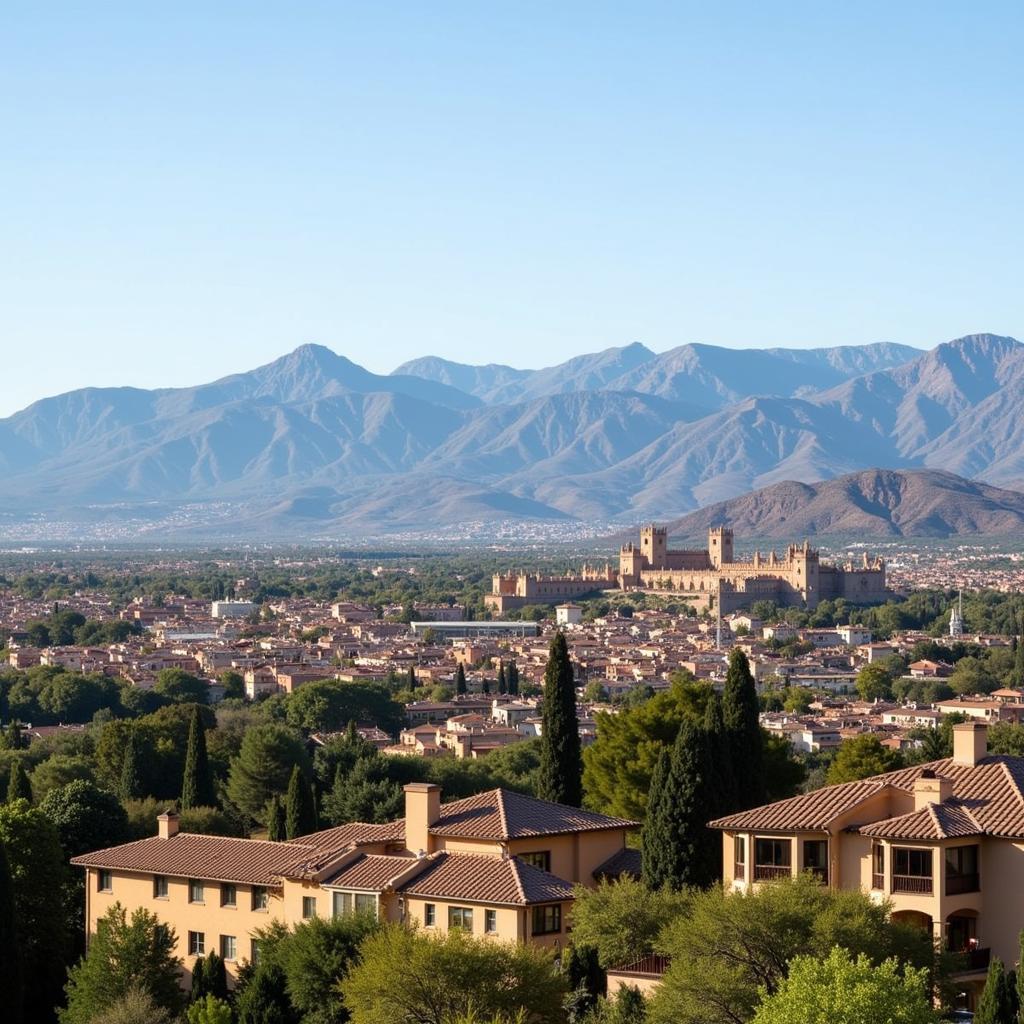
column 698, row 576
column 702, row 577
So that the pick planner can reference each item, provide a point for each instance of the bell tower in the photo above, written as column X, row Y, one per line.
column 720, row 546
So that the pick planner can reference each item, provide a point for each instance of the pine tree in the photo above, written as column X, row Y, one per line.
column 740, row 710
column 10, row 960
column 197, row 783
column 683, row 851
column 722, row 783
column 460, row 679
column 502, row 683
column 275, row 820
column 513, row 679
column 300, row 813
column 560, row 776
column 130, row 785
column 199, row 988
column 412, row 684
column 18, row 785
column 995, row 1003
column 215, row 978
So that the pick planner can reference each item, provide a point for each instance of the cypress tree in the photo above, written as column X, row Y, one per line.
column 740, row 710
column 275, row 820
column 502, row 683
column 995, row 1004
column 460, row 679
column 10, row 959
column 722, row 783
column 199, row 988
column 300, row 812
column 560, row 777
column 682, row 849
column 412, row 678
column 18, row 785
column 1018, row 659
column 197, row 784
column 513, row 679
column 485, row 686
column 215, row 976
column 130, row 785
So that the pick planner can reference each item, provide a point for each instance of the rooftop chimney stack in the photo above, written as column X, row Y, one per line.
column 930, row 788
column 970, row 742
column 422, row 810
column 167, row 824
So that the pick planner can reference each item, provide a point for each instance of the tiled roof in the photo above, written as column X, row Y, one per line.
column 988, row 799
column 210, row 858
column 372, row 872
column 481, row 879
column 502, row 814
column 355, row 833
column 626, row 861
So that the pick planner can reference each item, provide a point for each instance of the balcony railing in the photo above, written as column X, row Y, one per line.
column 912, row 883
column 957, row 884
column 739, row 871
column 975, row 960
column 878, row 880
column 769, row 872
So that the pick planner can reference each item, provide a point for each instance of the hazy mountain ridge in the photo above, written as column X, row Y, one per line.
column 874, row 503
column 620, row 434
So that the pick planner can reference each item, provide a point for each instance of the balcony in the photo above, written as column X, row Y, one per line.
column 770, row 872
column 878, row 880
column 921, row 884
column 976, row 960
column 956, row 885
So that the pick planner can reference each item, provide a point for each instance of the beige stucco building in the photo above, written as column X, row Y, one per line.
column 944, row 842
column 499, row 865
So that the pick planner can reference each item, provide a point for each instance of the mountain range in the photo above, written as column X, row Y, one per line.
column 313, row 444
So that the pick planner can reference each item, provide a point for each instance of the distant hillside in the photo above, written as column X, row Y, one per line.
column 874, row 503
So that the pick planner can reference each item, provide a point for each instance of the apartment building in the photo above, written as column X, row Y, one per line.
column 499, row 865
column 944, row 842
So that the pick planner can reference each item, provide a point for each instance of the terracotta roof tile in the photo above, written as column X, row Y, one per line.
column 355, row 833
column 372, row 872
column 211, row 858
column 481, row 879
column 810, row 812
column 626, row 861
column 503, row 814
column 949, row 820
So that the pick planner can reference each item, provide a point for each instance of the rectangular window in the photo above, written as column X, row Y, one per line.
column 342, row 904
column 195, row 891
column 539, row 859
column 308, row 906
column 160, row 887
column 911, row 870
column 197, row 944
column 490, row 921
column 260, row 897
column 460, row 917
column 105, row 881
column 547, row 920
column 772, row 859
column 816, row 858
column 739, row 856
column 878, row 866
column 254, row 951
column 429, row 915
column 228, row 895
column 227, row 947
column 366, row 903
column 962, row 870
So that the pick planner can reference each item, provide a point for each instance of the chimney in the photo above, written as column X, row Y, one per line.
column 930, row 788
column 970, row 742
column 167, row 824
column 422, row 809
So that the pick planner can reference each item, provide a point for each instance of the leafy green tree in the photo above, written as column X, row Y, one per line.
column 136, row 1006
column 86, row 817
column 181, row 687
column 209, row 977
column 460, row 679
column 130, row 785
column 264, row 1000
column 561, row 763
column 18, row 785
column 124, row 952
column 679, row 850
column 995, row 1005
column 330, row 705
column 39, row 874
column 627, row 1007
column 300, row 810
column 277, row 828
column 406, row 976
column 623, row 919
column 731, row 948
column 860, row 758
column 197, row 781
column 263, row 767
column 585, row 979
column 741, row 712
column 972, row 675
column 234, row 685
column 874, row 683
column 210, row 1010
column 842, row 990
column 11, row 980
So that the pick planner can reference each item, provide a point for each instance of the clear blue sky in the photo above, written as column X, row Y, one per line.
column 191, row 189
